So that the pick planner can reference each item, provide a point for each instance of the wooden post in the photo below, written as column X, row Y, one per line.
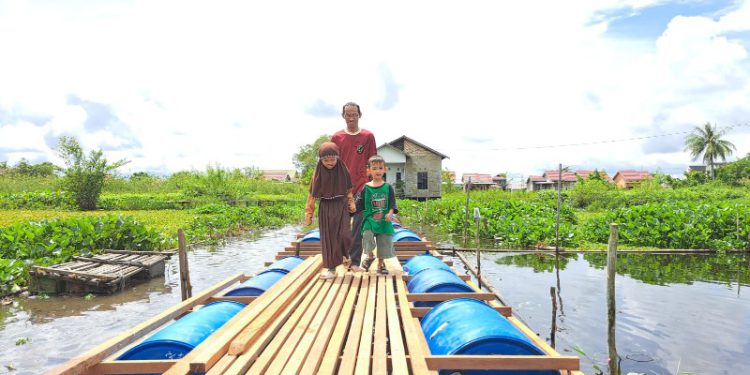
column 553, row 329
column 467, row 187
column 296, row 248
column 557, row 215
column 479, row 254
column 185, row 286
column 614, row 360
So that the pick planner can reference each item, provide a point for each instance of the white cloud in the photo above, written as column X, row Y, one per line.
column 199, row 83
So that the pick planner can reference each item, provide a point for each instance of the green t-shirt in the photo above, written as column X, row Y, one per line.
column 377, row 202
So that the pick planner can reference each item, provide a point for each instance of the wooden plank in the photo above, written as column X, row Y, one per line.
column 398, row 353
column 447, row 296
column 283, row 356
column 365, row 342
column 243, row 362
column 297, row 360
column 461, row 276
column 412, row 332
column 349, row 359
column 241, row 299
column 215, row 346
column 92, row 357
column 49, row 270
column 106, row 261
column 379, row 363
column 267, row 356
column 501, row 362
column 422, row 311
column 131, row 367
column 334, row 329
column 133, row 252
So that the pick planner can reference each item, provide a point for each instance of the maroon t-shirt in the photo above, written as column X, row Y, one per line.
column 354, row 150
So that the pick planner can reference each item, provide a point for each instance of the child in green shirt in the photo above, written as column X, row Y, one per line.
column 379, row 205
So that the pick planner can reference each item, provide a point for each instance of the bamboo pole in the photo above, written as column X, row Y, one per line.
column 479, row 254
column 614, row 360
column 467, row 187
column 185, row 286
column 553, row 328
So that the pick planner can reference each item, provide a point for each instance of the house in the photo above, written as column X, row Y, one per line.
column 478, row 181
column 626, row 179
column 567, row 179
column 500, row 181
column 283, row 175
column 414, row 169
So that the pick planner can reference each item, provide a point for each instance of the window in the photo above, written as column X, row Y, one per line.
column 422, row 180
column 398, row 176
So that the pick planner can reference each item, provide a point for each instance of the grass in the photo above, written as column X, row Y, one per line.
column 165, row 221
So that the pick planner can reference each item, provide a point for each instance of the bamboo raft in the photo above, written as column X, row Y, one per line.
column 104, row 273
column 355, row 323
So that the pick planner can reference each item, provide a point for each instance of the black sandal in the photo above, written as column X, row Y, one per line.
column 368, row 262
column 383, row 270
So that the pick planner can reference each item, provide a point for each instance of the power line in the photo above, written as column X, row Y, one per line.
column 603, row 141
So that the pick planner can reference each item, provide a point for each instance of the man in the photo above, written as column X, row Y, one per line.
column 356, row 145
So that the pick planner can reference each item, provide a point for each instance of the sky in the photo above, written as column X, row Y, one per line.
column 498, row 87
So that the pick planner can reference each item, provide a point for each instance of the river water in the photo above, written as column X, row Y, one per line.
column 675, row 314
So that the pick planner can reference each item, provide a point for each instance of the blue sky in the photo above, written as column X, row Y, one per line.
column 497, row 87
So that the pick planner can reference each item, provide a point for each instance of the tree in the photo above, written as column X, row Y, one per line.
column 307, row 158
column 735, row 173
column 708, row 141
column 448, row 179
column 84, row 175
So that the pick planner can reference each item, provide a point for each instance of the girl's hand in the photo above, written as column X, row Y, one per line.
column 388, row 217
column 352, row 207
column 308, row 220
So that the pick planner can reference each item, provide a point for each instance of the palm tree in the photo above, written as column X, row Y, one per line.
column 707, row 141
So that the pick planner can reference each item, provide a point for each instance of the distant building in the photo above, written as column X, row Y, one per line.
column 414, row 169
column 567, row 179
column 627, row 179
column 479, row 181
column 500, row 181
column 283, row 175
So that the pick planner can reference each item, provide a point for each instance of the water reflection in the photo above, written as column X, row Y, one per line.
column 675, row 313
column 56, row 329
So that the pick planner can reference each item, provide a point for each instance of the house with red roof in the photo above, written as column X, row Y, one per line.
column 628, row 178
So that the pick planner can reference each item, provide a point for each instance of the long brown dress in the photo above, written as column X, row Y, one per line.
column 333, row 188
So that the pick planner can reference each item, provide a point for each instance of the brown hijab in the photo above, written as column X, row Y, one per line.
column 330, row 183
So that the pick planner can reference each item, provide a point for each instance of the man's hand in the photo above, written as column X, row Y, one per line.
column 389, row 217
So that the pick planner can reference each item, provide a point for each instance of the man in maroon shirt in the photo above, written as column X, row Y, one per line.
column 356, row 145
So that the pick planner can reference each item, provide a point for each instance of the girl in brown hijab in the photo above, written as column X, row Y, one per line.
column 332, row 185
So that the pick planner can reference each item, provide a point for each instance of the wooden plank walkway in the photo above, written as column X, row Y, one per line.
column 355, row 323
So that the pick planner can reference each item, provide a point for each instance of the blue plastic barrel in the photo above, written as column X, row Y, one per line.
column 285, row 265
column 436, row 280
column 258, row 284
column 396, row 225
column 424, row 261
column 180, row 337
column 313, row 235
column 403, row 234
column 465, row 326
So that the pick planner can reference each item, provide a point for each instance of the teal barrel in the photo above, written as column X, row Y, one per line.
column 285, row 264
column 465, row 326
column 179, row 338
column 258, row 284
column 403, row 234
column 424, row 261
column 436, row 280
column 313, row 235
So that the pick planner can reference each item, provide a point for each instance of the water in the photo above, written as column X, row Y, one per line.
column 686, row 314
column 59, row 328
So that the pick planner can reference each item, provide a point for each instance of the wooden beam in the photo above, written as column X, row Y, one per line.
column 447, row 296
column 92, row 357
column 398, row 352
column 133, row 252
column 501, row 362
column 107, row 261
column 131, row 367
column 412, row 332
column 90, row 275
column 422, row 311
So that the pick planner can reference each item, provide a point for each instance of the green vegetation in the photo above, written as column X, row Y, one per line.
column 709, row 215
column 84, row 177
column 707, row 141
column 40, row 223
column 307, row 158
